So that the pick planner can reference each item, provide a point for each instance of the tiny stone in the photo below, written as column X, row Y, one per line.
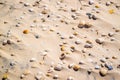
column 17, row 25
column 112, row 39
column 4, row 42
column 110, row 34
column 108, row 3
column 103, row 72
column 81, row 62
column 91, row 2
column 44, row 29
column 5, row 77
column 103, row 60
column 77, row 42
column 73, row 10
column 84, row 50
column 71, row 36
column 88, row 45
column 84, row 24
column 32, row 59
column 37, row 36
column 55, row 77
column 50, row 70
column 30, row 10
column 99, row 41
column 114, row 57
column 8, row 42
column 12, row 63
column 26, row 31
column 58, row 68
column 72, row 48
column 32, row 25
column 118, row 66
column 22, row 76
column 70, row 66
column 109, row 67
column 76, row 67
column 94, row 17
column 89, row 72
column 40, row 76
column 26, row 4
column 74, row 16
column 63, row 56
column 26, row 72
column 70, row 78
column 37, row 77
column 97, row 67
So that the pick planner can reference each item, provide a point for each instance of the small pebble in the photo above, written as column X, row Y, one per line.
column 26, row 4
column 12, row 63
column 9, row 42
column 114, row 57
column 26, row 31
column 118, row 66
column 72, row 49
column 22, row 76
column 108, row 3
column 97, row 67
column 103, row 60
column 111, row 11
column 63, row 56
column 62, row 48
column 50, row 70
column 77, row 42
column 4, row 42
column 26, row 72
column 103, row 72
column 76, row 67
column 17, row 25
column 70, row 66
column 55, row 77
column 91, row 2
column 58, row 68
column 99, row 41
column 71, row 36
column 5, row 77
column 109, row 67
column 37, row 36
column 70, row 78
column 32, row 59
column 81, row 62
column 30, row 10
column 40, row 76
column 88, row 45
column 83, row 24
column 110, row 34
column 94, row 17
column 112, row 39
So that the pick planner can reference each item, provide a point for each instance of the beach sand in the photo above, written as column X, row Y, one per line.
column 59, row 40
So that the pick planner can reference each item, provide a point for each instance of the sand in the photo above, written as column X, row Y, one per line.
column 59, row 40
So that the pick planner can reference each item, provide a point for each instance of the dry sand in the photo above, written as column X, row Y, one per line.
column 59, row 39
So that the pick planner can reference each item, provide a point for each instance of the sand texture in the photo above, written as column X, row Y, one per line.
column 59, row 39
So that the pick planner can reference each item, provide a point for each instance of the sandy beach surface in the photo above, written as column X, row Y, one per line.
column 59, row 39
